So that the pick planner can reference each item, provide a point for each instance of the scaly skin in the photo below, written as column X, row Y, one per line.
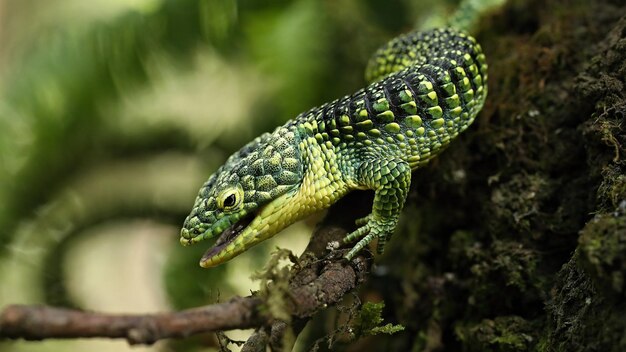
column 427, row 88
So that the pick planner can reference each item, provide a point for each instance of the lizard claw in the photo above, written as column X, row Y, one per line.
column 362, row 221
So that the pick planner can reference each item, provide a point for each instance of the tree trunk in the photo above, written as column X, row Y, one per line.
column 515, row 238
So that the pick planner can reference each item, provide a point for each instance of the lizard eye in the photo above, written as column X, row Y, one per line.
column 230, row 200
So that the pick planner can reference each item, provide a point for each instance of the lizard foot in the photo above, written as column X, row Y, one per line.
column 369, row 228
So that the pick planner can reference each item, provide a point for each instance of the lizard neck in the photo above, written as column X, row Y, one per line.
column 321, row 185
column 323, row 182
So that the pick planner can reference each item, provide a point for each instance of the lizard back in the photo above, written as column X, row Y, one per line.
column 427, row 88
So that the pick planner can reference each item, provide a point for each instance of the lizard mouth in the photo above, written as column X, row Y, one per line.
column 252, row 229
column 228, row 236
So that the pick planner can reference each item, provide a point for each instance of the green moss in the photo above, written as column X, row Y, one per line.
column 518, row 202
column 274, row 283
column 499, row 276
column 506, row 334
column 612, row 190
column 370, row 320
column 602, row 246
column 274, row 290
column 581, row 317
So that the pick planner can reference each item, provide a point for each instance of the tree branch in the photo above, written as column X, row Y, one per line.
column 42, row 322
column 316, row 284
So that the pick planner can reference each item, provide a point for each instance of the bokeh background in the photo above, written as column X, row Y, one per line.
column 114, row 112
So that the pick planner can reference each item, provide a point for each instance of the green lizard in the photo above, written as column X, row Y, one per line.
column 426, row 88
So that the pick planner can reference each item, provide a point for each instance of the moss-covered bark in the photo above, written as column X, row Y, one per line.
column 515, row 238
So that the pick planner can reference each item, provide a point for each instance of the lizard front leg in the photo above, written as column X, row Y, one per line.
column 390, row 179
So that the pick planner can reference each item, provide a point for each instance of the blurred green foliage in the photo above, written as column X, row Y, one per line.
column 118, row 110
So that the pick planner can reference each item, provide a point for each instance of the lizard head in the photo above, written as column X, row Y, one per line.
column 241, row 202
